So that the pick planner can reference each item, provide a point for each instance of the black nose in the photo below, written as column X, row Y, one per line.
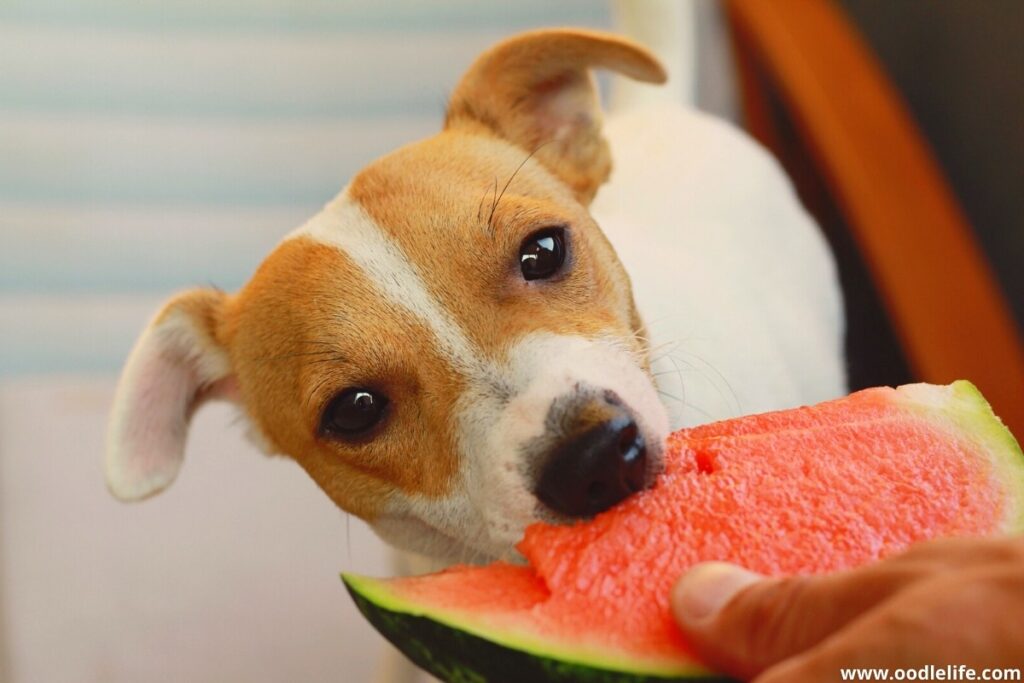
column 595, row 470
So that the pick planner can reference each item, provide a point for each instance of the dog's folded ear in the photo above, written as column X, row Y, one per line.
column 536, row 90
column 176, row 364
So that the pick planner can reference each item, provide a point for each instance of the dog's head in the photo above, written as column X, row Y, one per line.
column 450, row 348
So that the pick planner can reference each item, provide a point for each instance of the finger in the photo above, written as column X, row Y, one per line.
column 881, row 638
column 965, row 552
column 743, row 623
column 772, row 619
column 821, row 664
column 904, row 632
column 950, row 619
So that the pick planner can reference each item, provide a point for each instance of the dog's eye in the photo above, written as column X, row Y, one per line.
column 542, row 254
column 352, row 412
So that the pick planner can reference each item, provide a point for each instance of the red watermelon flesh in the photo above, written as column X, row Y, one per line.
column 809, row 490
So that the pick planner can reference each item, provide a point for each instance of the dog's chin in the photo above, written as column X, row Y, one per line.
column 412, row 534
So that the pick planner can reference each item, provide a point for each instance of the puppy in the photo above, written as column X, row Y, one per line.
column 452, row 348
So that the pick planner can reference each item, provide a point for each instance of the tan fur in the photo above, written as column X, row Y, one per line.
column 513, row 90
column 203, row 306
column 435, row 199
column 310, row 324
column 204, row 309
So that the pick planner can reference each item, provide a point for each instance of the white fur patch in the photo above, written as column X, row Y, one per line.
column 434, row 527
column 493, row 504
column 503, row 408
column 345, row 225
column 541, row 368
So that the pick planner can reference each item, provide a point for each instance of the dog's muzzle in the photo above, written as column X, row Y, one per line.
column 600, row 463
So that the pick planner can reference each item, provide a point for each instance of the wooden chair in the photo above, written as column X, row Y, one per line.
column 802, row 64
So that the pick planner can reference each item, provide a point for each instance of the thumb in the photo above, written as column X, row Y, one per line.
column 742, row 622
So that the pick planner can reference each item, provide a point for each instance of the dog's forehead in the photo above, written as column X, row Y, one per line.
column 449, row 182
column 410, row 243
column 367, row 260
column 424, row 227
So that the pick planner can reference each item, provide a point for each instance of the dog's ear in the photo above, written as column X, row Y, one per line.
column 176, row 364
column 536, row 90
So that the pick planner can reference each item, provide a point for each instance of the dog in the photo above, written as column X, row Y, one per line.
column 452, row 348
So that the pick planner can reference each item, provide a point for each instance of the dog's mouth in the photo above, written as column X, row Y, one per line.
column 582, row 432
column 491, row 529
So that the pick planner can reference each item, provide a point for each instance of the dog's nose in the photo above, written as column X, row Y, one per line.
column 596, row 469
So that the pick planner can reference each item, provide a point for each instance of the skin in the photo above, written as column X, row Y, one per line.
column 947, row 602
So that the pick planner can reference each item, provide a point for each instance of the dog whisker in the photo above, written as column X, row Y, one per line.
column 494, row 203
column 682, row 385
column 671, row 351
column 663, row 350
column 480, row 205
column 679, row 374
column 348, row 535
column 498, row 196
column 670, row 396
column 715, row 374
column 713, row 378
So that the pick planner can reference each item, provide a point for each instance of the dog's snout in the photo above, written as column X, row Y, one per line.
column 595, row 469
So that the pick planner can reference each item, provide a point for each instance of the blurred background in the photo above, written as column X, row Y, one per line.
column 147, row 147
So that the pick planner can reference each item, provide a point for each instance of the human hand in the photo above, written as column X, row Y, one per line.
column 947, row 602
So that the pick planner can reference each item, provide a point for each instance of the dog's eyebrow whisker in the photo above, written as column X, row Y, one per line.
column 489, row 228
column 494, row 206
column 315, row 391
column 480, row 206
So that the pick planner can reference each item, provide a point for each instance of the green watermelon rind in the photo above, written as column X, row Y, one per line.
column 456, row 650
column 961, row 408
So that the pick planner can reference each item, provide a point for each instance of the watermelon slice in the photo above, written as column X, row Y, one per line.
column 801, row 491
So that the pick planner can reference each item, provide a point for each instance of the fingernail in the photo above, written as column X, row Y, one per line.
column 707, row 587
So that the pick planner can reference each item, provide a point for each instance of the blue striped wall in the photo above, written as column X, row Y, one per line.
column 149, row 146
